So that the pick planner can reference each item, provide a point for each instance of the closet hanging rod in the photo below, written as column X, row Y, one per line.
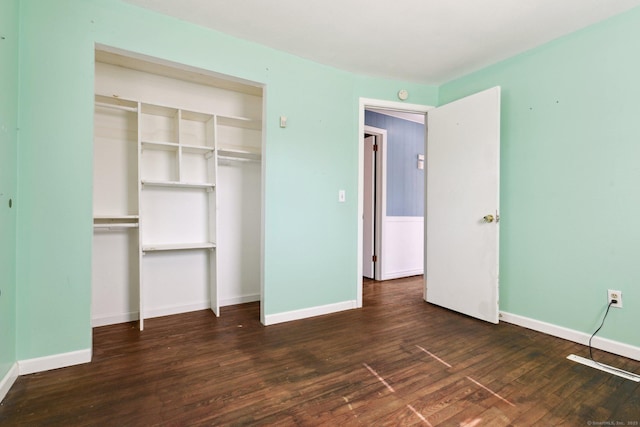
column 114, row 226
column 238, row 159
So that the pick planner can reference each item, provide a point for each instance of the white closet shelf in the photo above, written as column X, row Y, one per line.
column 239, row 122
column 239, row 153
column 178, row 246
column 160, row 145
column 116, row 225
column 196, row 116
column 116, row 103
column 159, row 110
column 178, row 184
column 117, row 107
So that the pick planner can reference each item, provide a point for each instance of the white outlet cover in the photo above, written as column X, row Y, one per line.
column 610, row 293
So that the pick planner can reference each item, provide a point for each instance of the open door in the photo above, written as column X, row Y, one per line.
column 462, row 205
column 368, row 233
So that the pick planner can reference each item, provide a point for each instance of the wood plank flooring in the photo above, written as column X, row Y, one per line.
column 397, row 361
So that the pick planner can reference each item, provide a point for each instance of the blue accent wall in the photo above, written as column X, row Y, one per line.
column 405, row 182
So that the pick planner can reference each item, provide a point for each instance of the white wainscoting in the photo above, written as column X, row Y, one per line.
column 402, row 247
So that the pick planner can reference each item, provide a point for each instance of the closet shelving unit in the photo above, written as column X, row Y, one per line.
column 175, row 206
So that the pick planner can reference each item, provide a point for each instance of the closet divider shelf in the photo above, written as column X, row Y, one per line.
column 240, row 122
column 115, row 226
column 116, row 103
column 177, row 192
column 178, row 247
column 239, row 153
column 115, row 217
column 204, row 185
column 158, row 145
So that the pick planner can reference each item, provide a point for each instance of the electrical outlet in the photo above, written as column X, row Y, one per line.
column 614, row 295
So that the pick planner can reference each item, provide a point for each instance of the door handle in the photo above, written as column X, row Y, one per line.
column 488, row 218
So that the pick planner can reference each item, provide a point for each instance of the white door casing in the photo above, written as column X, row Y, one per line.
column 461, row 246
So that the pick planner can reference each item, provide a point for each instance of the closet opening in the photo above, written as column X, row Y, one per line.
column 177, row 189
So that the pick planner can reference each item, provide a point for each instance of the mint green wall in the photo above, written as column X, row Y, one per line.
column 310, row 239
column 569, row 169
column 570, row 177
column 8, row 175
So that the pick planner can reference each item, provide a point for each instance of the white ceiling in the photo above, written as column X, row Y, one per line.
column 424, row 41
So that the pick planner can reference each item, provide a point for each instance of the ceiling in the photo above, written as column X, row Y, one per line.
column 423, row 41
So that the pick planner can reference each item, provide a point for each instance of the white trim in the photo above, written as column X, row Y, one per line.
column 287, row 316
column 401, row 274
column 403, row 115
column 242, row 299
column 362, row 104
column 263, row 180
column 7, row 381
column 176, row 309
column 114, row 319
column 605, row 344
column 167, row 311
column 394, row 105
column 54, row 361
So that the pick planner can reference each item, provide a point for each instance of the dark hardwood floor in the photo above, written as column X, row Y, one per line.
column 397, row 361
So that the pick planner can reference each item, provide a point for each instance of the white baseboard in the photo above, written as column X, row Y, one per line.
column 167, row 311
column 272, row 319
column 400, row 274
column 605, row 344
column 7, row 381
column 55, row 361
column 239, row 300
column 176, row 309
column 115, row 319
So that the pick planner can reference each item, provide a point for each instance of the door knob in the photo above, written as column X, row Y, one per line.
column 488, row 218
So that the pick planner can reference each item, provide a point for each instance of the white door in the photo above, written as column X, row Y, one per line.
column 369, row 208
column 462, row 205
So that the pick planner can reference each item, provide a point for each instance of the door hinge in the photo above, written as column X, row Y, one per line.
column 374, row 258
column 375, row 147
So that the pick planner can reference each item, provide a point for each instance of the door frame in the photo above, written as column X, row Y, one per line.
column 363, row 104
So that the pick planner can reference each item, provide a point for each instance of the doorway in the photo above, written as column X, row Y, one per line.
column 464, row 133
column 379, row 228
